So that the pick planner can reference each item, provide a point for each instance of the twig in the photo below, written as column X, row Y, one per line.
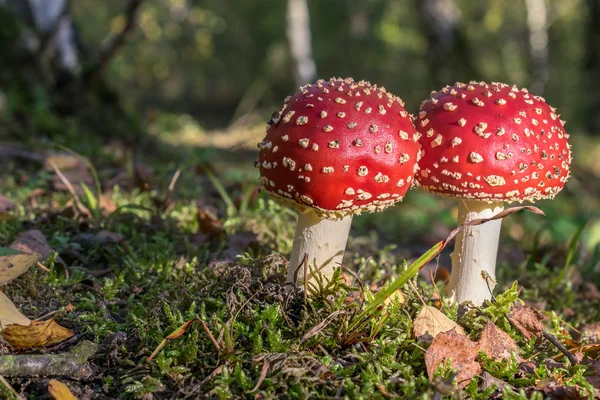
column 10, row 388
column 552, row 339
column 263, row 374
column 210, row 336
column 174, row 179
column 116, row 42
column 42, row 267
column 72, row 363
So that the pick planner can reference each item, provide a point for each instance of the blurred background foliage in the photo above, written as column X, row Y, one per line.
column 198, row 79
column 206, row 57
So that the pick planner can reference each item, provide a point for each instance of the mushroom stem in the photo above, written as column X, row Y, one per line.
column 323, row 240
column 473, row 274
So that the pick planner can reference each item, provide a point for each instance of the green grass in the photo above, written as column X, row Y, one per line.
column 343, row 341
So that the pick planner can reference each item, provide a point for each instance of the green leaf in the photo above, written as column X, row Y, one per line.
column 7, row 251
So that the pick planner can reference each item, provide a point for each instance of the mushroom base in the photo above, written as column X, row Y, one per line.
column 322, row 242
column 473, row 274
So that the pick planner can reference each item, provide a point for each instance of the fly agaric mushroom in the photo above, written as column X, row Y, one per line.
column 487, row 144
column 335, row 149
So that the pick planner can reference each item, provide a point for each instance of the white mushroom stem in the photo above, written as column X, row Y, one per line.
column 323, row 241
column 473, row 274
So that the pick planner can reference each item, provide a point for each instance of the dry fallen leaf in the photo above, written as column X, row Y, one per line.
column 397, row 297
column 527, row 321
column 496, row 343
column 13, row 264
column 431, row 322
column 460, row 349
column 5, row 206
column 9, row 314
column 38, row 334
column 23, row 252
column 208, row 222
column 59, row 391
column 32, row 242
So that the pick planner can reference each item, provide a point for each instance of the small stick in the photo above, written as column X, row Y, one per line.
column 42, row 267
column 552, row 339
column 10, row 388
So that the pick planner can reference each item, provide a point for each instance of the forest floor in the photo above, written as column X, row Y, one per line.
column 179, row 245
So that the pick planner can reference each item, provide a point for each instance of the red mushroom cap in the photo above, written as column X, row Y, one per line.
column 491, row 142
column 339, row 147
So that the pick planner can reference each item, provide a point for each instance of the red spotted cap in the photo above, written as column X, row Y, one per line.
column 491, row 142
column 339, row 147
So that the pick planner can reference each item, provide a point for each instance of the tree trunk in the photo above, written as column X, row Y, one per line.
column 448, row 53
column 298, row 33
column 592, row 66
column 537, row 23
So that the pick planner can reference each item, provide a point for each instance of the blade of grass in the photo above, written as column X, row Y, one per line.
column 220, row 189
column 89, row 166
column 570, row 254
column 404, row 277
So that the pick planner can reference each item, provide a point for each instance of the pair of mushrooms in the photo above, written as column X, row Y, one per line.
column 338, row 148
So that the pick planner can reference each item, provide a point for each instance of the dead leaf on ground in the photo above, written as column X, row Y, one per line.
column 28, row 247
column 59, row 391
column 527, row 321
column 14, row 263
column 497, row 344
column 430, row 322
column 555, row 390
column 488, row 381
column 208, row 222
column 9, row 314
column 38, row 334
column 32, row 242
column 460, row 349
column 6, row 205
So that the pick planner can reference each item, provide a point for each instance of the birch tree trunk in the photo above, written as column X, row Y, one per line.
column 299, row 38
column 537, row 23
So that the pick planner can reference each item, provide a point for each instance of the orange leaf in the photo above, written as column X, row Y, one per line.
column 38, row 334
column 59, row 391
column 173, row 335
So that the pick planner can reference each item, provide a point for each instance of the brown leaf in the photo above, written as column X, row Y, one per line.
column 38, row 334
column 14, row 265
column 209, row 223
column 527, row 321
column 460, row 349
column 430, row 322
column 554, row 390
column 59, row 391
column 9, row 314
column 6, row 205
column 32, row 242
column 497, row 344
